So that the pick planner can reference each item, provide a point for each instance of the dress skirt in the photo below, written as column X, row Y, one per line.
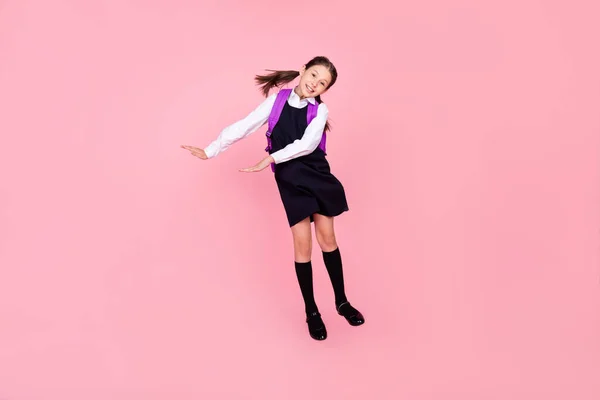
column 307, row 186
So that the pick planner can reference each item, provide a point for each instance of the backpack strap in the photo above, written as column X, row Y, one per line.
column 280, row 100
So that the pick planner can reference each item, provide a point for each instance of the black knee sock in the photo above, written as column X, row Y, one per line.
column 305, row 280
column 333, row 263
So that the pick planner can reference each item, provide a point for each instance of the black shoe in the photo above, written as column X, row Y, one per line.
column 352, row 315
column 316, row 327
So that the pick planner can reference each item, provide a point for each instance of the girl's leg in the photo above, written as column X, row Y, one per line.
column 302, row 236
column 331, row 255
column 333, row 262
column 302, row 241
column 302, row 254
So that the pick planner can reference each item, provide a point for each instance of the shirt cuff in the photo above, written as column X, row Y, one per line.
column 276, row 157
column 211, row 150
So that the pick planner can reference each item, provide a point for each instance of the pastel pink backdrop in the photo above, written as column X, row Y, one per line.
column 465, row 133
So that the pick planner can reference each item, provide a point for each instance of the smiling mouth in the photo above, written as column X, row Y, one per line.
column 310, row 90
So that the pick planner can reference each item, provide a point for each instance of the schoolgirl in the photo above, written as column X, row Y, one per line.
column 296, row 146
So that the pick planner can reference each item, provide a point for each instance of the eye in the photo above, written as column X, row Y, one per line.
column 313, row 74
column 323, row 83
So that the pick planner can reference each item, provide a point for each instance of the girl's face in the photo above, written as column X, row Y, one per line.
column 314, row 81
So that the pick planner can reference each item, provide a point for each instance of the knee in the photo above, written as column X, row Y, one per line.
column 302, row 249
column 327, row 241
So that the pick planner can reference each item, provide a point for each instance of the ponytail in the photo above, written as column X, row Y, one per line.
column 274, row 79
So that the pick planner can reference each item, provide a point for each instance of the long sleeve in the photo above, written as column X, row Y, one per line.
column 242, row 128
column 310, row 140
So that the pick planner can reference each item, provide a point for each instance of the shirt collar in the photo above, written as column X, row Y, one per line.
column 297, row 99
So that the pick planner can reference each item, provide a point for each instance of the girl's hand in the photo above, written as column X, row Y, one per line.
column 196, row 152
column 264, row 163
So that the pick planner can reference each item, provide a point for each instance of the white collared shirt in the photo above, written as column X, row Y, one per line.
column 257, row 118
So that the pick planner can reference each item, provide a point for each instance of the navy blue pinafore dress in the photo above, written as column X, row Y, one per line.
column 305, row 183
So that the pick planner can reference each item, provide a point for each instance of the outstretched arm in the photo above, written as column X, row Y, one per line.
column 241, row 128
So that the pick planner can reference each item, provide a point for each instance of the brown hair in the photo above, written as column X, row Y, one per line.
column 280, row 78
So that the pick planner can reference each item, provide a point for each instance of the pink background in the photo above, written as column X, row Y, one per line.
column 465, row 132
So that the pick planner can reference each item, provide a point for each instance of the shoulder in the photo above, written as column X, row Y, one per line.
column 268, row 102
column 323, row 109
column 271, row 98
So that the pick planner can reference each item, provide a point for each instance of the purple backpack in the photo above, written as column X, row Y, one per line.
column 282, row 97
